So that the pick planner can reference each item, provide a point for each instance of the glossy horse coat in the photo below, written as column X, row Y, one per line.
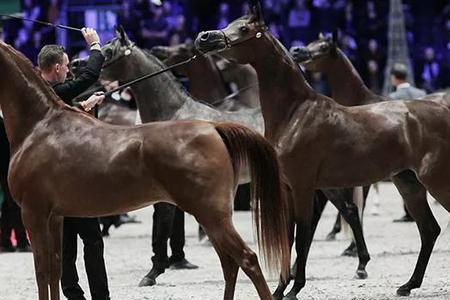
column 66, row 163
column 322, row 144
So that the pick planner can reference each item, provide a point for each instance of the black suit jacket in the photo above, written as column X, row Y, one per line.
column 70, row 89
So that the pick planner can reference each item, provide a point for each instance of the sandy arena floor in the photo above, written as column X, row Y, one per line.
column 393, row 248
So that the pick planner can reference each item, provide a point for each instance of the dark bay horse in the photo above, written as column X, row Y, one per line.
column 209, row 75
column 322, row 144
column 347, row 87
column 66, row 163
column 161, row 98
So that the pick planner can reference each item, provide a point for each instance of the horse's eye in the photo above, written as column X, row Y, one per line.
column 108, row 53
column 244, row 29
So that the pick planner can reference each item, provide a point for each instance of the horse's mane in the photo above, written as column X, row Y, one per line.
column 172, row 80
column 287, row 57
column 32, row 74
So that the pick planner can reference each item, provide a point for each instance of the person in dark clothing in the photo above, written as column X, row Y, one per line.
column 53, row 62
column 168, row 222
column 11, row 215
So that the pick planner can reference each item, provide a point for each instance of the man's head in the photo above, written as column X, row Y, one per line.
column 399, row 73
column 53, row 62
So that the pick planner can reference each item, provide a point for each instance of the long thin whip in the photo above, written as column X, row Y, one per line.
column 150, row 75
column 40, row 22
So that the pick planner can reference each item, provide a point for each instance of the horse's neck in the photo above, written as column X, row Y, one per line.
column 205, row 81
column 25, row 100
column 160, row 97
column 347, row 87
column 282, row 86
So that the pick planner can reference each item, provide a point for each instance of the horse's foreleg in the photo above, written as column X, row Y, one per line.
column 303, row 210
column 37, row 225
column 414, row 194
column 55, row 235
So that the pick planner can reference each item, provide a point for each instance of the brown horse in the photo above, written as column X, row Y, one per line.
column 209, row 83
column 322, row 144
column 66, row 163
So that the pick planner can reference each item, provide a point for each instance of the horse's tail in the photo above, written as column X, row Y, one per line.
column 270, row 209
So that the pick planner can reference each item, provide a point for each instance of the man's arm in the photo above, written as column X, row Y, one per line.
column 70, row 89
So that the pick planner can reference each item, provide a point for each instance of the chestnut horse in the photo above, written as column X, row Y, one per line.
column 322, row 144
column 209, row 76
column 66, row 163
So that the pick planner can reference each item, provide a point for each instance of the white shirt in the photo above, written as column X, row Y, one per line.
column 403, row 85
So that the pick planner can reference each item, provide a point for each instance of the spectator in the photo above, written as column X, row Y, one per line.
column 299, row 21
column 429, row 71
column 404, row 90
column 155, row 31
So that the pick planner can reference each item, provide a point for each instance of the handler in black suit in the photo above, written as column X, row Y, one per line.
column 11, row 215
column 53, row 62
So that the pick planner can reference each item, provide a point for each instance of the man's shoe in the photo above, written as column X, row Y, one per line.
column 150, row 278
column 7, row 249
column 405, row 218
column 26, row 248
column 182, row 264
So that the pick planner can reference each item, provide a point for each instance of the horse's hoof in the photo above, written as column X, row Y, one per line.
column 147, row 281
column 361, row 274
column 331, row 237
column 290, row 297
column 350, row 252
column 277, row 296
column 403, row 291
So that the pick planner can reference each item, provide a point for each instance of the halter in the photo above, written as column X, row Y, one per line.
column 125, row 53
column 129, row 49
column 229, row 43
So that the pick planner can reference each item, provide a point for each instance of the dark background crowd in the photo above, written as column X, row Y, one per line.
column 363, row 28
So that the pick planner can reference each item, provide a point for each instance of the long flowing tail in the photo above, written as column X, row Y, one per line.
column 270, row 205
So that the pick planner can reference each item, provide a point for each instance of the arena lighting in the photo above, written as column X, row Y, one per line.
column 157, row 2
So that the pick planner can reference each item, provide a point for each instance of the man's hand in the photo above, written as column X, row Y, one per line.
column 93, row 100
column 91, row 36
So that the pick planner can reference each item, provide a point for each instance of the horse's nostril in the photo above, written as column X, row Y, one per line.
column 204, row 36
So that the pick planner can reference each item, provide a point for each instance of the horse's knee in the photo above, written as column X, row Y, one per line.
column 250, row 261
column 430, row 232
column 43, row 277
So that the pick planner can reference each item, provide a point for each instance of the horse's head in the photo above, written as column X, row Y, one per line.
column 175, row 54
column 116, row 51
column 240, row 40
column 317, row 55
column 77, row 65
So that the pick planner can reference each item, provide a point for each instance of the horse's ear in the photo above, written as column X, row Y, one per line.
column 335, row 37
column 122, row 35
column 256, row 11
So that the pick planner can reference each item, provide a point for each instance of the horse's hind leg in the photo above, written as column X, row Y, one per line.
column 336, row 228
column 38, row 228
column 343, row 200
column 229, row 244
column 230, row 270
column 414, row 194
column 55, row 234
